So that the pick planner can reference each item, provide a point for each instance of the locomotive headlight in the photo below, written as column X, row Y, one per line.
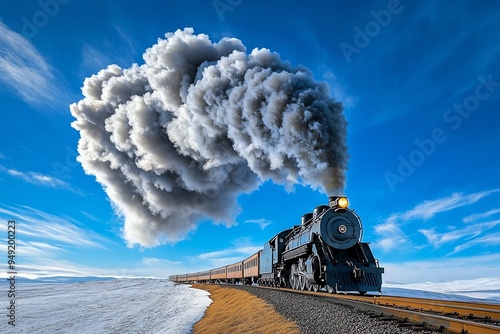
column 342, row 202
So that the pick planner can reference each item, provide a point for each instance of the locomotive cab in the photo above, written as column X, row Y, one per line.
column 271, row 259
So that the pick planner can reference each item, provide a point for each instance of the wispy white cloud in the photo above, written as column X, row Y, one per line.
column 39, row 250
column 24, row 70
column 391, row 236
column 235, row 251
column 41, row 179
column 38, row 178
column 41, row 229
column 478, row 216
column 488, row 240
column 429, row 209
column 391, row 233
column 90, row 216
column 94, row 59
column 216, row 254
column 45, row 241
column 102, row 53
column 438, row 239
column 470, row 235
column 125, row 37
column 55, row 268
column 261, row 222
column 338, row 91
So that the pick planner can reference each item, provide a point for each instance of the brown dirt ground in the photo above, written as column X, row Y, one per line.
column 237, row 312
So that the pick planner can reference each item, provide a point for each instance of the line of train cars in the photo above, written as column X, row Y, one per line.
column 324, row 251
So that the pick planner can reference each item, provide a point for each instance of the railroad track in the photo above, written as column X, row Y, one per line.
column 440, row 315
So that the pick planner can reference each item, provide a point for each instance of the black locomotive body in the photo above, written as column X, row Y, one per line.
column 325, row 251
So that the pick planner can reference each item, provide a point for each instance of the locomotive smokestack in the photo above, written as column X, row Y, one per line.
column 332, row 200
column 180, row 137
column 338, row 202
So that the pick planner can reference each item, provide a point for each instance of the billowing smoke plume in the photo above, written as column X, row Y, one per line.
column 177, row 139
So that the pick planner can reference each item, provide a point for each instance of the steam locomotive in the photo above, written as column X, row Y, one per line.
column 324, row 251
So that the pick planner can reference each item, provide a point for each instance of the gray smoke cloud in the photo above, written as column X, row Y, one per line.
column 177, row 139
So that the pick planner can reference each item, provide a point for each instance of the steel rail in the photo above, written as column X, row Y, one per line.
column 483, row 311
column 431, row 321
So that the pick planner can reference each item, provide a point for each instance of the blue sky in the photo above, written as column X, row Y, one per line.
column 420, row 85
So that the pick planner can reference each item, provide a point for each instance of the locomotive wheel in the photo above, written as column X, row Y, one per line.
column 302, row 282
column 293, row 277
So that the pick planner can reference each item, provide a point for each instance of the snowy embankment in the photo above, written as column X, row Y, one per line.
column 114, row 306
column 480, row 290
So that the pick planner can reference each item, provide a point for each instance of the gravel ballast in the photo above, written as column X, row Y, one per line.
column 315, row 315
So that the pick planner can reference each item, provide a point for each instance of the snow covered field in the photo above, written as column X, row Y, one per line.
column 160, row 306
column 113, row 306
column 480, row 289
